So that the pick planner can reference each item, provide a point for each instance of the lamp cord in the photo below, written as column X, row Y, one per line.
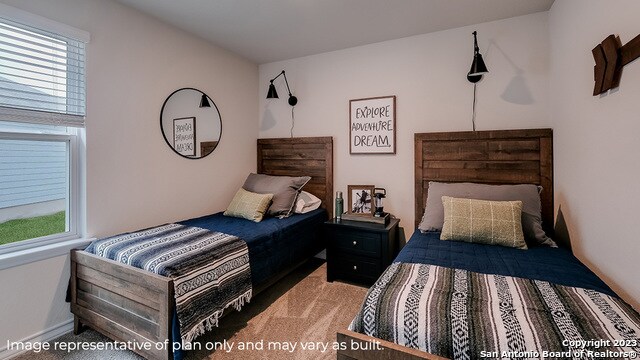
column 293, row 121
column 473, row 115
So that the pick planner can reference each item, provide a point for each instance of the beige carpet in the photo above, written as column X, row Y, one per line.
column 302, row 308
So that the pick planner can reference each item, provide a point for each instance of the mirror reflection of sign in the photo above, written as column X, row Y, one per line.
column 372, row 125
column 184, row 136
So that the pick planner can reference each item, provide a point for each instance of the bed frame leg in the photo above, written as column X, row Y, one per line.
column 77, row 325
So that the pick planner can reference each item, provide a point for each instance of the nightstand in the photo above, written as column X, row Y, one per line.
column 359, row 251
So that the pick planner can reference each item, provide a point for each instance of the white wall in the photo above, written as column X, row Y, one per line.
column 427, row 73
column 133, row 63
column 596, row 144
column 33, row 306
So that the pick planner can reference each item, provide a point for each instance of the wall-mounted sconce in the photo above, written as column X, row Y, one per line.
column 478, row 68
column 273, row 94
column 477, row 65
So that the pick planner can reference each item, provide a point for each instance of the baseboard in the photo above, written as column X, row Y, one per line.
column 42, row 336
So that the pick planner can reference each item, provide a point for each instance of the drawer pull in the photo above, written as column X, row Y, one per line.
column 355, row 267
column 355, row 243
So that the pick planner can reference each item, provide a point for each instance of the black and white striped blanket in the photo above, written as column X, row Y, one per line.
column 466, row 315
column 210, row 270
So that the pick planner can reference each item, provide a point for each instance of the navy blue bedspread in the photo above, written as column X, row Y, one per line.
column 554, row 265
column 274, row 244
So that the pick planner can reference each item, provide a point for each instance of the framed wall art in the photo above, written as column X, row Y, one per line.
column 360, row 199
column 372, row 125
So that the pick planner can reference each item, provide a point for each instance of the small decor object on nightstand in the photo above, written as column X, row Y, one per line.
column 363, row 199
column 339, row 205
column 379, row 194
column 360, row 199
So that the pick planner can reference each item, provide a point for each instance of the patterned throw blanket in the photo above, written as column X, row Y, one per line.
column 465, row 315
column 210, row 270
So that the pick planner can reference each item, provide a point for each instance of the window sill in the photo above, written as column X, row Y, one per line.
column 40, row 253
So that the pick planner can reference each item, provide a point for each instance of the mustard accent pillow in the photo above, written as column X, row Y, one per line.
column 483, row 222
column 248, row 205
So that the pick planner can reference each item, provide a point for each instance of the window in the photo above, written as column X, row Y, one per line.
column 42, row 114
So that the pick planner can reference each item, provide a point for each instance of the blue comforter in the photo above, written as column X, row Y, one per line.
column 274, row 244
column 554, row 265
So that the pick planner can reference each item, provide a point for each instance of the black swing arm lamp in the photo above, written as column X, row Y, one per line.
column 273, row 94
column 478, row 66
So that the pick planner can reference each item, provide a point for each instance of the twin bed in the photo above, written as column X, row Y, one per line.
column 460, row 300
column 131, row 304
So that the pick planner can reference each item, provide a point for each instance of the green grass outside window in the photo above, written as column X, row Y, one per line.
column 23, row 229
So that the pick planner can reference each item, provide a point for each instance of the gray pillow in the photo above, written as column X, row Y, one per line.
column 433, row 217
column 285, row 190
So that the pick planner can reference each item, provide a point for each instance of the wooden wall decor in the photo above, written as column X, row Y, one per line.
column 610, row 56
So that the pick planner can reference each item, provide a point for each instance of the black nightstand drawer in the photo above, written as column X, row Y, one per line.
column 357, row 242
column 357, row 268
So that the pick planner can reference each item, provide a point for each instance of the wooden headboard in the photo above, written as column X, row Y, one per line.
column 304, row 156
column 490, row 157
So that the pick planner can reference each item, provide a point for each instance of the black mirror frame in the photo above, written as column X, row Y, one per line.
column 165, row 135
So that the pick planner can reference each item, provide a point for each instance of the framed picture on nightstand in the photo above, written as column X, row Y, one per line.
column 360, row 199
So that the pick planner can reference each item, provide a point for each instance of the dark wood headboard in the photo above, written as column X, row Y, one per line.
column 303, row 156
column 490, row 157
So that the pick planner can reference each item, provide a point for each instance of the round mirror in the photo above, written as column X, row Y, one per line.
column 191, row 123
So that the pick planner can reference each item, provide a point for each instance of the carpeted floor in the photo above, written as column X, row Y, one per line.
column 303, row 308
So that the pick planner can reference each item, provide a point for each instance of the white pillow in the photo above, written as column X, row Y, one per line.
column 306, row 202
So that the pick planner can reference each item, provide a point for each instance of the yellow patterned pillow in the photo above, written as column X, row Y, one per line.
column 483, row 222
column 248, row 205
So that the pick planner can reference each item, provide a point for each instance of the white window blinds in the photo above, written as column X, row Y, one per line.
column 42, row 76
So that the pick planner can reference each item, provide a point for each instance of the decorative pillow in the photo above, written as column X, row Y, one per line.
column 529, row 194
column 248, row 205
column 483, row 222
column 285, row 190
column 307, row 202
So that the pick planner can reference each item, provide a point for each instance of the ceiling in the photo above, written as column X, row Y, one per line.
column 271, row 30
